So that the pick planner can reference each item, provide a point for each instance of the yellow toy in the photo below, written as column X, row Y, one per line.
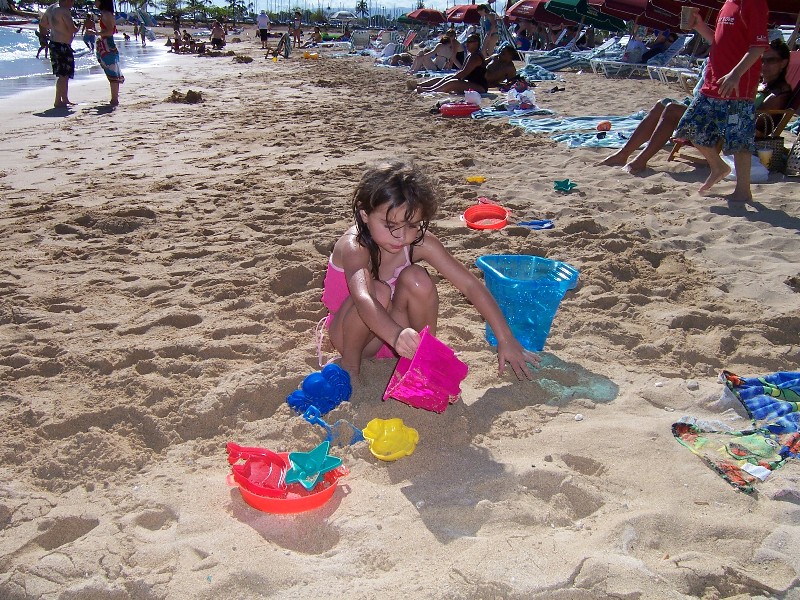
column 390, row 439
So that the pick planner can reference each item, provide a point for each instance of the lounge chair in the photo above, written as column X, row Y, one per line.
column 664, row 65
column 561, row 58
column 614, row 67
column 359, row 39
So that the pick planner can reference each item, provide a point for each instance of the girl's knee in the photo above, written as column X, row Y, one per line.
column 416, row 281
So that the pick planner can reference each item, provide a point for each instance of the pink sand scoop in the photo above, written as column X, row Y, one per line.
column 431, row 380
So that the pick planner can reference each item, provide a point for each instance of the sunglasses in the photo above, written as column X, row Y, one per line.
column 771, row 60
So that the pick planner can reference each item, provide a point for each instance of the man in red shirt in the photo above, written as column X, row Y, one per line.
column 724, row 109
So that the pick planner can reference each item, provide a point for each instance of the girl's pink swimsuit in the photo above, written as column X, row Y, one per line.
column 335, row 292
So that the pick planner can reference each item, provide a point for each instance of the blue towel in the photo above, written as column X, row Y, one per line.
column 492, row 112
column 581, row 132
column 773, row 399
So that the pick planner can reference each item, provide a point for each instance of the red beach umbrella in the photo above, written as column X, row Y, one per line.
column 533, row 10
column 464, row 13
column 427, row 15
column 637, row 11
column 781, row 12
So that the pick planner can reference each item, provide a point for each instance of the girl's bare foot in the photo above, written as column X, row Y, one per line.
column 739, row 198
column 717, row 174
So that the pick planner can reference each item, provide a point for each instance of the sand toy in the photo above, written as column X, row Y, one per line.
column 486, row 216
column 431, row 380
column 528, row 290
column 307, row 468
column 390, row 439
column 324, row 390
column 341, row 433
column 263, row 471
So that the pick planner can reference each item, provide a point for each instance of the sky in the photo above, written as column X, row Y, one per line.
column 388, row 7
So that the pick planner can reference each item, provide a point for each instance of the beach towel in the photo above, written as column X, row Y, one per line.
column 581, row 132
column 108, row 57
column 744, row 458
column 532, row 72
column 491, row 112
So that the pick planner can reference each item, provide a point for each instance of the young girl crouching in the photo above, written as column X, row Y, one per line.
column 378, row 297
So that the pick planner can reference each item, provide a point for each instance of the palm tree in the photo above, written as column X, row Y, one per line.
column 362, row 8
column 194, row 7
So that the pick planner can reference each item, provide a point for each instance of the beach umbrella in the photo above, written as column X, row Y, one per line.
column 586, row 12
column 669, row 11
column 464, row 13
column 534, row 10
column 781, row 12
column 427, row 15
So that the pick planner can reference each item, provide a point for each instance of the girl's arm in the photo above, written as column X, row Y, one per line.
column 509, row 350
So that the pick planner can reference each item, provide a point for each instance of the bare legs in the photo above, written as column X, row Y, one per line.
column 666, row 127
column 114, row 93
column 62, row 99
column 742, row 162
column 719, row 170
column 655, row 130
column 415, row 304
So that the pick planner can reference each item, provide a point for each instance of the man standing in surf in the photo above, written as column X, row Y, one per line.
column 724, row 110
column 57, row 21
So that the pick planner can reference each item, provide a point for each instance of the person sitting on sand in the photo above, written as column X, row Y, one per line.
column 439, row 58
column 658, row 126
column 189, row 43
column 217, row 36
column 472, row 76
column 314, row 39
column 500, row 67
column 378, row 298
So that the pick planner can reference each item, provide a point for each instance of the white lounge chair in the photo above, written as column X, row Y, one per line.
column 611, row 68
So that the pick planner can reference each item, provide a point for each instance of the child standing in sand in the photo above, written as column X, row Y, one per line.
column 378, row 297
column 724, row 110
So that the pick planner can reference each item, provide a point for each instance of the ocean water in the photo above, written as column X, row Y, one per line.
column 20, row 70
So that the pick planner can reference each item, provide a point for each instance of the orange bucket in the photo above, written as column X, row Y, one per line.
column 486, row 216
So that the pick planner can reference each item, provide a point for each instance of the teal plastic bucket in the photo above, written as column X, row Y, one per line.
column 528, row 290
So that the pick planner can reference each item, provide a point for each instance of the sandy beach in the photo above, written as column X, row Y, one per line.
column 161, row 267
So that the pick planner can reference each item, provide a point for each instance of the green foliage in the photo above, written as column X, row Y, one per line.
column 362, row 8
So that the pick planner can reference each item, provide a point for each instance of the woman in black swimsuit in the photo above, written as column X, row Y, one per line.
column 472, row 76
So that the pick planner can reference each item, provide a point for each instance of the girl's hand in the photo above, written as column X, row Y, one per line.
column 407, row 343
column 514, row 354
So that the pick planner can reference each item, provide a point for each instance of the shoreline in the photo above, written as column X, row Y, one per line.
column 161, row 282
column 12, row 86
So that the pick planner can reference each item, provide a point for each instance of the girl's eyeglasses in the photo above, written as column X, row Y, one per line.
column 397, row 231
column 771, row 60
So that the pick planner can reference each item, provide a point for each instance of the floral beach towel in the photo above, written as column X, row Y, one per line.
column 743, row 458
